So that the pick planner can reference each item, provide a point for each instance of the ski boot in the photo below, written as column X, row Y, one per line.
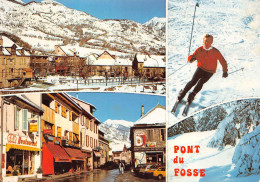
column 191, row 97
column 181, row 95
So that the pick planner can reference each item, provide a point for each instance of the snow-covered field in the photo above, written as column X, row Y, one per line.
column 60, row 83
column 235, row 27
column 228, row 140
column 217, row 164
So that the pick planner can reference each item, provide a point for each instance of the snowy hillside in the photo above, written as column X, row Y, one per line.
column 228, row 136
column 50, row 23
column 235, row 27
column 117, row 132
column 159, row 23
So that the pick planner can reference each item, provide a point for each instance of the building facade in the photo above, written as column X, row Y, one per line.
column 15, row 68
column 148, row 138
column 20, row 131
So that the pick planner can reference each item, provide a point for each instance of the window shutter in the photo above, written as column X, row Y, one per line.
column 25, row 119
column 16, row 118
column 56, row 107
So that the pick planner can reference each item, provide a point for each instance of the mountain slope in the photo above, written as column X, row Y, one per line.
column 117, row 131
column 228, row 136
column 235, row 27
column 50, row 23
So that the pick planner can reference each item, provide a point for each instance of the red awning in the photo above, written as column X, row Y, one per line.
column 75, row 154
column 58, row 153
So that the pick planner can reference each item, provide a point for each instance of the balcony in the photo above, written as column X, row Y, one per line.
column 48, row 115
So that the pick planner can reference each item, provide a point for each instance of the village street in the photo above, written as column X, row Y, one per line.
column 95, row 176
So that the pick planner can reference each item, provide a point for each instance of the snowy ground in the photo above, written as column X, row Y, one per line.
column 217, row 164
column 235, row 27
column 57, row 83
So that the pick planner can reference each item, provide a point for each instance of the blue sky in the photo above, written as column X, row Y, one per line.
column 137, row 10
column 120, row 106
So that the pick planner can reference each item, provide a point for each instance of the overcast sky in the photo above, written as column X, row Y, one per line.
column 120, row 106
column 137, row 10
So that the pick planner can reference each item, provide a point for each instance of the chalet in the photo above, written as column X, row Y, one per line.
column 14, row 64
column 148, row 137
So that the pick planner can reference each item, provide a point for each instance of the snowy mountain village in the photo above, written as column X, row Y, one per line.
column 22, row 67
column 56, row 133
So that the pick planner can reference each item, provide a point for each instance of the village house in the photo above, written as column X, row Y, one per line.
column 68, row 61
column 20, row 131
column 148, row 137
column 42, row 65
column 103, row 147
column 14, row 64
column 122, row 155
column 89, row 134
column 149, row 66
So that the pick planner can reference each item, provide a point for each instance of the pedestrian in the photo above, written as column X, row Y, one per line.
column 121, row 167
column 207, row 57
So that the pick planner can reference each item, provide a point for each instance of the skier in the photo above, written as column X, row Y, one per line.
column 206, row 57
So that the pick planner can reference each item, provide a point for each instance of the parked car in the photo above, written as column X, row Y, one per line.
column 109, row 165
column 143, row 169
column 138, row 167
column 150, row 170
column 160, row 173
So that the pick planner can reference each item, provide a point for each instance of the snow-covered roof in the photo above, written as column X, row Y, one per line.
column 7, row 42
column 154, row 116
column 116, row 147
column 123, row 62
column 6, row 52
column 68, row 50
column 104, row 62
column 142, row 57
column 154, row 62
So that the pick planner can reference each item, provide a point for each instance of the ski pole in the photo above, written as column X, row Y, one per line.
column 236, row 71
column 197, row 5
column 177, row 69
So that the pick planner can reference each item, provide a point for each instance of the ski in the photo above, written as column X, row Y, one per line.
column 175, row 106
column 185, row 111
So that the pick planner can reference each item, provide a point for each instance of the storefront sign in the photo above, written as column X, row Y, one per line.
column 14, row 139
column 150, row 144
column 139, row 139
column 33, row 124
column 64, row 138
column 47, row 131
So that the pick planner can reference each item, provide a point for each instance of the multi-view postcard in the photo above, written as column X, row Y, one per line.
column 129, row 90
column 82, row 45
column 213, row 91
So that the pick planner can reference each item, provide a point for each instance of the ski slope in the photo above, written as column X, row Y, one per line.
column 217, row 164
column 235, row 27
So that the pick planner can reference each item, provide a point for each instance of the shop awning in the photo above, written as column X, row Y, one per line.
column 21, row 147
column 75, row 154
column 97, row 154
column 58, row 153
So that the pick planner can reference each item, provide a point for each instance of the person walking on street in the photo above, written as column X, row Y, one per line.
column 121, row 167
column 207, row 58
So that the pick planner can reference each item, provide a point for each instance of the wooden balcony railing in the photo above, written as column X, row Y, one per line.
column 48, row 115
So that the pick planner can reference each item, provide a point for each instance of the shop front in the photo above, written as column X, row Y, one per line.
column 96, row 160
column 22, row 156
column 55, row 159
column 77, row 158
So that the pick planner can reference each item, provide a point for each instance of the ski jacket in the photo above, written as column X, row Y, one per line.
column 207, row 59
